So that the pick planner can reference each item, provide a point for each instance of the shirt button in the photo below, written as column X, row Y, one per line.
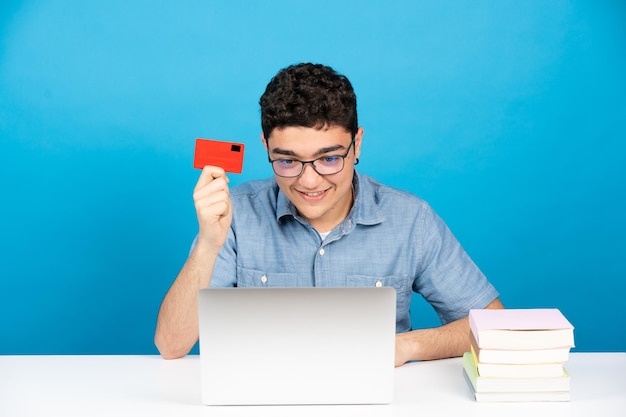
column 322, row 252
column 264, row 279
column 379, row 284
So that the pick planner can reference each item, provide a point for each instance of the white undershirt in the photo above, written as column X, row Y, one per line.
column 324, row 235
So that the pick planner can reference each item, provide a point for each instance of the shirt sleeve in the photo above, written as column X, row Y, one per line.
column 448, row 279
column 225, row 268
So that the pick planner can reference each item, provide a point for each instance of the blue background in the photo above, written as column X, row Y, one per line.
column 507, row 116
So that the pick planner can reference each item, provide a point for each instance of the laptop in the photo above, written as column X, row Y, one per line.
column 279, row 346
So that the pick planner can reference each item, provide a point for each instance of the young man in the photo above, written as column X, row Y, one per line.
column 320, row 223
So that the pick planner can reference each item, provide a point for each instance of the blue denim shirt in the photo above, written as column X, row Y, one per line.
column 390, row 238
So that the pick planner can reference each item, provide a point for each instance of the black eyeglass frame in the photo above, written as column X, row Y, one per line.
column 312, row 162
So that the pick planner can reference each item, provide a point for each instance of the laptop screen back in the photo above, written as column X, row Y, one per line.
column 297, row 345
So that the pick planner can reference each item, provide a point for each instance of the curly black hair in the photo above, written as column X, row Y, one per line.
column 308, row 95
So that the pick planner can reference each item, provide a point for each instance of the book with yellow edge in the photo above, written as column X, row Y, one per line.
column 515, row 389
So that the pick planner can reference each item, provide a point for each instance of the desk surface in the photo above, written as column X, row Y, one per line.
column 151, row 386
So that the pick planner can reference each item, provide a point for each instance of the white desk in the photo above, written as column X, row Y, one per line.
column 150, row 386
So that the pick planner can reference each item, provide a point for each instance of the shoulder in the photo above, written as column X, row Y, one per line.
column 388, row 197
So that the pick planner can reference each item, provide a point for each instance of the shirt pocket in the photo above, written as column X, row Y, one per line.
column 256, row 278
column 399, row 282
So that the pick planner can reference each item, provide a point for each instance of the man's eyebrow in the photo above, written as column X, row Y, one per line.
column 319, row 152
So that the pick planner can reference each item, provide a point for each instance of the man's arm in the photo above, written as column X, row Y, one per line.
column 447, row 341
column 177, row 323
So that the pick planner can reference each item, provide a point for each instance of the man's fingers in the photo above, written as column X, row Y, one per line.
column 209, row 174
column 216, row 202
column 212, row 195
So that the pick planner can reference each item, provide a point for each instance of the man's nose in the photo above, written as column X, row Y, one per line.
column 309, row 176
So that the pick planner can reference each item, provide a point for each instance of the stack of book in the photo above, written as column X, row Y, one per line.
column 519, row 355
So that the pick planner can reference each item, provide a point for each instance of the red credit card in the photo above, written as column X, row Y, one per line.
column 226, row 155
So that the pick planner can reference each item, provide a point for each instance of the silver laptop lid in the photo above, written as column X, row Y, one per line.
column 297, row 345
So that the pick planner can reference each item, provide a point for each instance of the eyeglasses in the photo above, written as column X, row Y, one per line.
column 325, row 165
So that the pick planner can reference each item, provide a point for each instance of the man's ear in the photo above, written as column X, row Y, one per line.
column 264, row 142
column 358, row 140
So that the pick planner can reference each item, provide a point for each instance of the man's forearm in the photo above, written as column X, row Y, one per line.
column 448, row 341
column 177, row 323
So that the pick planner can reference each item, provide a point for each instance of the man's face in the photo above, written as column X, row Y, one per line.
column 323, row 200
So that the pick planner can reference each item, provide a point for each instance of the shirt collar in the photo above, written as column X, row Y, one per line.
column 364, row 210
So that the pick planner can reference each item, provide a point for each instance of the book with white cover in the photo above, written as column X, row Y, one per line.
column 519, row 357
column 529, row 370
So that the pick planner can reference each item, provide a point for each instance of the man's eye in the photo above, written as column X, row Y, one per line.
column 329, row 160
column 286, row 162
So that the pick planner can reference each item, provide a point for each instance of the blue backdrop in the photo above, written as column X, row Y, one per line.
column 508, row 117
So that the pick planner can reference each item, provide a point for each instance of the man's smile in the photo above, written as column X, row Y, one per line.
column 313, row 195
